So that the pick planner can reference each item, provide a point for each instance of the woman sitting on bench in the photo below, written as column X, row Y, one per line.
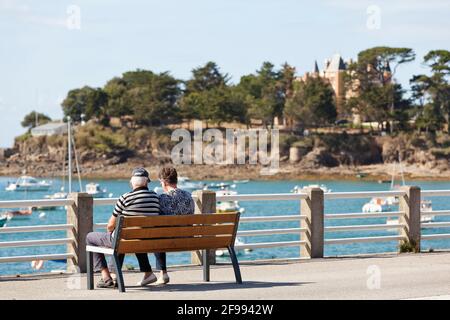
column 173, row 201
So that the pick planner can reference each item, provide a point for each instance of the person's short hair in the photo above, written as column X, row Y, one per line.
column 169, row 175
column 139, row 181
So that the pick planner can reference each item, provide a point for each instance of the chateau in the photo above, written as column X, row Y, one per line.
column 333, row 72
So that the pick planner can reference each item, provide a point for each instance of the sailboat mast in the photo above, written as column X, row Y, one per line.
column 70, row 153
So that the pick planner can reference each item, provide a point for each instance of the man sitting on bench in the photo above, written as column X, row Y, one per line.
column 139, row 202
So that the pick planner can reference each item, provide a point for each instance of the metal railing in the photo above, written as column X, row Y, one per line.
column 301, row 231
column 435, row 213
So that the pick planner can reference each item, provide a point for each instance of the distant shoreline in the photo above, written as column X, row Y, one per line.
column 287, row 172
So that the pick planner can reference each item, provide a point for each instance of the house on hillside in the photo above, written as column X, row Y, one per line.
column 49, row 129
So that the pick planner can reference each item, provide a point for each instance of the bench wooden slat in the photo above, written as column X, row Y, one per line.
column 181, row 244
column 161, row 221
column 171, row 232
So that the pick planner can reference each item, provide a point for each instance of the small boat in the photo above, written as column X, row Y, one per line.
column 20, row 214
column 27, row 183
column 3, row 220
column 95, row 190
column 220, row 185
column 237, row 242
column 377, row 204
column 228, row 206
column 241, row 181
column 298, row 189
column 425, row 206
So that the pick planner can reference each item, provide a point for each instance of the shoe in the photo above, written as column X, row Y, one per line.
column 163, row 280
column 150, row 279
column 106, row 283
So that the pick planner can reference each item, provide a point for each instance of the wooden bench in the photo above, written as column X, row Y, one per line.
column 170, row 234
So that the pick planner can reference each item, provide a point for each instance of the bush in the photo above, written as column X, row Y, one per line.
column 409, row 246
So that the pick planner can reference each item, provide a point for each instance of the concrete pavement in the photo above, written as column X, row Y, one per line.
column 406, row 276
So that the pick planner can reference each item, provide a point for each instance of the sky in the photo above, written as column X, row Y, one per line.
column 50, row 47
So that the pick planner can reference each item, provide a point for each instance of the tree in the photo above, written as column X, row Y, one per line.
column 87, row 101
column 375, row 95
column 433, row 92
column 266, row 91
column 209, row 97
column 117, row 106
column 34, row 118
column 154, row 101
column 312, row 103
column 206, row 78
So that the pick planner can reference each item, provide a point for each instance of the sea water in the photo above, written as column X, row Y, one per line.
column 252, row 208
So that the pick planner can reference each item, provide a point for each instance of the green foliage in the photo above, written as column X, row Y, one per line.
column 208, row 97
column 432, row 93
column 23, row 137
column 100, row 139
column 266, row 91
column 376, row 97
column 409, row 246
column 29, row 121
column 312, row 103
column 87, row 101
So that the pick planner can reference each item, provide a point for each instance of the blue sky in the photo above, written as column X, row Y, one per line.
column 42, row 56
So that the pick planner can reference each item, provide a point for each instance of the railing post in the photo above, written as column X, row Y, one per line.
column 410, row 204
column 313, row 209
column 80, row 214
column 205, row 202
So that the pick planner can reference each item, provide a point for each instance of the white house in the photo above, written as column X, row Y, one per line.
column 49, row 129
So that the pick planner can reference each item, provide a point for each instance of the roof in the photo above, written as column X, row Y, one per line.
column 316, row 67
column 51, row 126
column 336, row 63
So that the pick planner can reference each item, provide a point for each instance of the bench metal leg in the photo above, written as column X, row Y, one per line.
column 118, row 267
column 90, row 270
column 234, row 261
column 205, row 258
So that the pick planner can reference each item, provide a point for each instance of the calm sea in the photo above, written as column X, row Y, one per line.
column 252, row 208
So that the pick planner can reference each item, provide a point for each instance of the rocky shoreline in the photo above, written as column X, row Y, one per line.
column 287, row 171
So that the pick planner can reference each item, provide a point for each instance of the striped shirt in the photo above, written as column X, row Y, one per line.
column 139, row 202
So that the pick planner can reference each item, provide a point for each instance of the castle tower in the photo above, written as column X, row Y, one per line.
column 334, row 73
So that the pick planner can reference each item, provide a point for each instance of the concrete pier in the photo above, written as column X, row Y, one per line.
column 405, row 276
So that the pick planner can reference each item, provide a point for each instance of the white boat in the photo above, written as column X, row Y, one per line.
column 57, row 195
column 298, row 189
column 237, row 242
column 425, row 206
column 94, row 189
column 27, row 183
column 228, row 206
column 378, row 204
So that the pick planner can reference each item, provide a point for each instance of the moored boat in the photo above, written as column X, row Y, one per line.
column 298, row 189
column 28, row 183
column 228, row 206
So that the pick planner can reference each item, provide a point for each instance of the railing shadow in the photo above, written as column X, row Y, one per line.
column 216, row 286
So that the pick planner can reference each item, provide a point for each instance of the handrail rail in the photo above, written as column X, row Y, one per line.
column 36, row 203
column 52, row 227
column 240, row 197
column 435, row 193
column 302, row 229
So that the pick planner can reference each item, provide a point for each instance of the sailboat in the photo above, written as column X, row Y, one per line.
column 385, row 204
column 70, row 141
